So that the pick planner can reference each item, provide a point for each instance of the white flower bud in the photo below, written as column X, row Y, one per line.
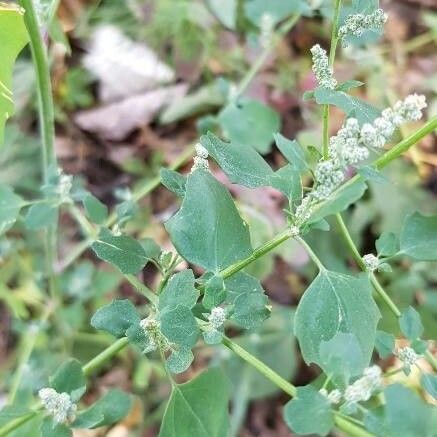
column 58, row 405
column 371, row 262
column 321, row 68
column 201, row 158
column 407, row 355
column 201, row 151
column 294, row 231
column 267, row 25
column 217, row 317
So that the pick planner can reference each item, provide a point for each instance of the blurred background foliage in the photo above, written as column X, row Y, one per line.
column 135, row 82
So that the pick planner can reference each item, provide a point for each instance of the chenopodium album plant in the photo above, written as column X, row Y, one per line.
column 337, row 317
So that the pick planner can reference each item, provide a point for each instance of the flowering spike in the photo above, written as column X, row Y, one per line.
column 321, row 68
column 58, row 405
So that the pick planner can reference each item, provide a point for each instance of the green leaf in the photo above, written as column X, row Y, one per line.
column 293, row 151
column 13, row 37
column 288, row 181
column 173, row 181
column 137, row 336
column 50, row 428
column 179, row 325
column 419, row 237
column 341, row 199
column 370, row 173
column 122, row 251
column 207, row 230
column 405, row 414
column 115, row 317
column 179, row 290
column 350, row 105
column 11, row 412
column 180, row 360
column 249, row 301
column 341, row 358
column 225, row 11
column 215, row 292
column 419, row 346
column 384, row 344
column 309, row 412
column 40, row 216
column 348, row 85
column 429, row 383
column 109, row 409
column 151, row 249
column 277, row 9
column 10, row 205
column 387, row 244
column 250, row 123
column 336, row 303
column 410, row 324
column 70, row 379
column 198, row 408
column 96, row 210
column 242, row 164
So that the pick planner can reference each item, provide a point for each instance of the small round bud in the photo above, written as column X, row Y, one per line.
column 201, row 151
column 58, row 405
column 217, row 317
column 407, row 355
column 371, row 262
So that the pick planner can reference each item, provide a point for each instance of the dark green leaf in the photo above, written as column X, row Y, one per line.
column 350, row 105
column 429, row 383
column 179, row 290
column 410, row 324
column 96, row 210
column 137, row 336
column 41, row 215
column 336, row 303
column 50, row 428
column 287, row 180
column 419, row 237
column 207, row 230
column 293, row 151
column 198, row 408
column 173, row 181
column 384, row 344
column 70, row 379
column 309, row 412
column 387, row 244
column 180, row 360
column 122, row 251
column 179, row 326
column 419, row 346
column 242, row 164
column 151, row 249
column 109, row 409
column 215, row 292
column 10, row 205
column 115, row 317
column 250, row 123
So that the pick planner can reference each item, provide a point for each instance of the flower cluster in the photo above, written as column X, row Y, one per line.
column 351, row 146
column 407, row 356
column 201, row 158
column 214, row 330
column 371, row 262
column 152, row 329
column 322, row 69
column 334, row 396
column 363, row 388
column 356, row 24
column 59, row 405
column 266, row 30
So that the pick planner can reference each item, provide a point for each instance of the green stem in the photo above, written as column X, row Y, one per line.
column 257, row 253
column 142, row 288
column 311, row 253
column 332, row 51
column 349, row 242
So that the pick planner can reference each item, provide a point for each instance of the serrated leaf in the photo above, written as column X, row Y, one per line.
column 179, row 325
column 384, row 344
column 309, row 412
column 250, row 123
column 350, row 105
column 198, row 408
column 50, row 428
column 429, row 383
column 207, row 230
column 180, row 360
column 70, row 379
column 10, row 205
column 293, row 151
column 13, row 37
column 122, row 251
column 336, row 303
column 173, row 181
column 179, row 290
column 249, row 301
column 341, row 358
column 387, row 244
column 242, row 164
column 411, row 324
column 96, row 210
column 115, row 317
column 419, row 237
column 40, row 216
column 109, row 409
column 342, row 198
column 215, row 292
column 277, row 9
